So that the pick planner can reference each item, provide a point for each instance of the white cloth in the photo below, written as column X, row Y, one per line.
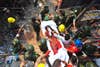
column 50, row 23
column 62, row 55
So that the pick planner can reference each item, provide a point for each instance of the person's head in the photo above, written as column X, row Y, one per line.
column 48, row 27
column 33, row 19
column 62, row 12
column 51, row 16
column 41, row 65
column 67, row 37
column 74, row 60
column 46, row 9
column 43, row 46
column 61, row 28
column 57, row 63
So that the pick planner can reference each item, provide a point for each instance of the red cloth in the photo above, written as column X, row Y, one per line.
column 47, row 53
column 69, row 65
column 55, row 44
column 72, row 48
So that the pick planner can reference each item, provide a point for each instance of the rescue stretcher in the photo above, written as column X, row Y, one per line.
column 61, row 52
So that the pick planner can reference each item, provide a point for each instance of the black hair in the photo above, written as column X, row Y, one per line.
column 74, row 59
column 56, row 63
column 33, row 19
column 46, row 8
column 48, row 27
column 62, row 12
column 44, row 11
column 67, row 37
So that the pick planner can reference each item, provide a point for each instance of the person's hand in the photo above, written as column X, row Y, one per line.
column 87, row 41
column 64, row 62
column 22, row 64
column 17, row 35
column 97, row 54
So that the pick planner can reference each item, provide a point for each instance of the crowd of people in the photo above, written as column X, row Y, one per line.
column 53, row 40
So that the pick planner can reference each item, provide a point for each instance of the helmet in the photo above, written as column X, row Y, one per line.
column 16, row 41
column 30, row 48
column 61, row 28
column 43, row 41
column 11, row 19
column 31, row 55
column 41, row 65
column 78, row 42
column 43, row 45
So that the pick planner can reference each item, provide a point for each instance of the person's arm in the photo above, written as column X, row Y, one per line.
column 64, row 62
column 40, row 58
column 22, row 64
column 96, row 54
